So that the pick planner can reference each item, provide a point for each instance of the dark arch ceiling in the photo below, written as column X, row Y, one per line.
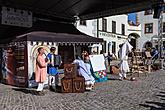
column 67, row 10
column 85, row 9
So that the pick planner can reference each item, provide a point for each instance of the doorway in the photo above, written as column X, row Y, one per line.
column 133, row 43
column 67, row 54
column 113, row 47
column 134, row 40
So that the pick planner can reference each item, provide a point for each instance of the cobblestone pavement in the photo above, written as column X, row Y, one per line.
column 147, row 93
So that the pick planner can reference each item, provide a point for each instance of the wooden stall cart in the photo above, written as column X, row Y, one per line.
column 136, row 63
column 19, row 54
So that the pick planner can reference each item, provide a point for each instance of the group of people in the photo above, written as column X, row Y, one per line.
column 150, row 55
column 46, row 66
column 84, row 66
column 50, row 64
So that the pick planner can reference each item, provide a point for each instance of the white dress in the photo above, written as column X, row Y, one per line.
column 123, row 55
column 84, row 70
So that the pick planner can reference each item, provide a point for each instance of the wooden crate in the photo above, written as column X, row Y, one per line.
column 70, row 70
column 78, row 85
column 73, row 85
column 66, row 86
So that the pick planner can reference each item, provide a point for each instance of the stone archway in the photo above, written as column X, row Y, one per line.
column 134, row 39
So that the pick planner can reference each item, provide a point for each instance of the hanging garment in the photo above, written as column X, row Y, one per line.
column 123, row 55
column 84, row 70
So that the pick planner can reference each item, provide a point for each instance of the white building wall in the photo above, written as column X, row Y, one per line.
column 109, row 38
column 120, row 19
column 117, row 37
column 135, row 30
column 90, row 28
column 143, row 19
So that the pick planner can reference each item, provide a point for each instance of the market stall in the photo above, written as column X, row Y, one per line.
column 19, row 55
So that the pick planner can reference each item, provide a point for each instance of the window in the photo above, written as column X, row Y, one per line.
column 148, row 12
column 164, row 27
column 109, row 45
column 149, row 28
column 123, row 29
column 83, row 22
column 113, row 47
column 104, row 24
column 113, row 26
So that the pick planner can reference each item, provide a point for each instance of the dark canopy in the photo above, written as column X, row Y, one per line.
column 68, row 11
column 85, row 9
column 58, row 37
column 57, row 27
column 52, row 31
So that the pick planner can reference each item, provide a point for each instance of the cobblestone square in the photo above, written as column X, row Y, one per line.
column 147, row 93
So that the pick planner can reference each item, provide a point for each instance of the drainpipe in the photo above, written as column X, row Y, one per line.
column 160, row 27
column 97, row 33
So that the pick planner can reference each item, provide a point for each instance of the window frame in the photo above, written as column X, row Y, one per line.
column 114, row 27
column 123, row 29
column 104, row 24
column 83, row 22
column 148, row 12
column 145, row 26
column 163, row 27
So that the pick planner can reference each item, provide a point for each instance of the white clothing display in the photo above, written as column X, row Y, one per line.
column 123, row 55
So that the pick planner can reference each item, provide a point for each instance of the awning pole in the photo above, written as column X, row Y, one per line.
column 74, row 50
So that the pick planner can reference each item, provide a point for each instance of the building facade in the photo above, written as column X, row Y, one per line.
column 134, row 34
column 115, row 30
column 151, row 29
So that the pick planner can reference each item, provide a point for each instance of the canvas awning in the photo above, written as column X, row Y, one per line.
column 60, row 38
column 53, row 32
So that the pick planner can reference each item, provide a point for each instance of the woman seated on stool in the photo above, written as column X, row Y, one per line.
column 84, row 70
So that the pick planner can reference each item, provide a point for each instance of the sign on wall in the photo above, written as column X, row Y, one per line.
column 16, row 17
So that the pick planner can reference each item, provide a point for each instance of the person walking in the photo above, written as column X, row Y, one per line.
column 40, row 72
column 154, row 54
column 124, row 50
column 109, row 58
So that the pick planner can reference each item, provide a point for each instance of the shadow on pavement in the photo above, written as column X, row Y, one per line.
column 155, row 105
column 113, row 79
column 162, row 93
column 33, row 90
column 25, row 90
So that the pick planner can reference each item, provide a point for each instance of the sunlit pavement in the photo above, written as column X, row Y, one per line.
column 147, row 93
